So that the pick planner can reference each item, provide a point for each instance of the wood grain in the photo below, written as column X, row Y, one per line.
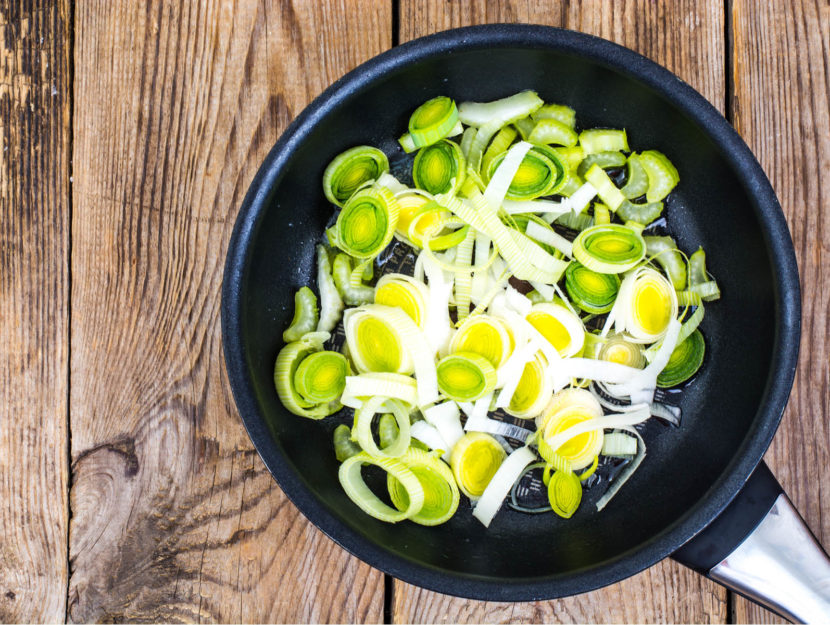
column 687, row 37
column 781, row 70
column 174, row 517
column 35, row 94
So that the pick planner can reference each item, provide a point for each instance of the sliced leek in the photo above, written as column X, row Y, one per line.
column 344, row 446
column 699, row 280
column 647, row 302
column 321, row 377
column 305, row 315
column 353, row 295
column 441, row 495
column 484, row 335
column 591, row 291
column 541, row 172
column 439, row 168
column 288, row 361
column 550, row 131
column 684, row 362
column 637, row 182
column 603, row 140
column 559, row 112
column 618, row 349
column 609, row 248
column 359, row 492
column 331, row 304
column 475, row 459
column 362, row 428
column 532, row 391
column 432, row 121
column 404, row 292
column 664, row 251
column 662, row 175
column 459, row 331
column 367, row 222
column 465, row 376
column 351, row 170
column 564, row 493
column 560, row 327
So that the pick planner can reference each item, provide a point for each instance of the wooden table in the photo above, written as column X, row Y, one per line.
column 131, row 130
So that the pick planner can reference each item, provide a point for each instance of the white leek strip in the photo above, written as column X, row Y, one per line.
column 577, row 203
column 504, row 174
column 546, row 235
column 466, row 407
column 331, row 304
column 547, row 207
column 362, row 429
column 447, row 420
column 481, row 278
column 393, row 385
column 545, row 290
column 437, row 330
column 429, row 435
column 637, row 414
column 359, row 492
column 390, row 182
column 463, row 279
column 499, row 487
column 618, row 445
column 480, row 113
column 513, row 370
column 527, row 329
column 517, row 301
column 500, row 428
column 482, row 407
column 525, row 258
column 467, row 141
column 623, row 477
column 689, row 326
column 641, row 386
column 597, row 370
column 580, row 199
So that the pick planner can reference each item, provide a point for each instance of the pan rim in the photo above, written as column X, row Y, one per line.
column 776, row 238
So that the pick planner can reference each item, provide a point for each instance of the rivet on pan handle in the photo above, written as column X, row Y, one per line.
column 760, row 547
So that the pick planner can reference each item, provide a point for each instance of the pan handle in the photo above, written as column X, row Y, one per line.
column 761, row 548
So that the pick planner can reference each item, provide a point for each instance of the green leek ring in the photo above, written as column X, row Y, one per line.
column 591, row 291
column 609, row 248
column 432, row 121
column 465, row 376
column 367, row 222
column 352, row 169
column 439, row 168
column 321, row 377
column 359, row 492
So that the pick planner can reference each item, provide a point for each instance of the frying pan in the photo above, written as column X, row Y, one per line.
column 701, row 494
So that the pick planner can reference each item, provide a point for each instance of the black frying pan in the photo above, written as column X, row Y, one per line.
column 731, row 411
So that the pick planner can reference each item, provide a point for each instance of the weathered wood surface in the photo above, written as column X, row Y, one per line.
column 175, row 105
column 35, row 92
column 688, row 38
column 174, row 517
column 781, row 106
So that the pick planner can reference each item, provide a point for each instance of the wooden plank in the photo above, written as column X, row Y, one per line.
column 687, row 37
column 781, row 105
column 35, row 93
column 174, row 517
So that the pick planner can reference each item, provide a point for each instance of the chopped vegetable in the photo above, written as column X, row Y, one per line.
column 519, row 278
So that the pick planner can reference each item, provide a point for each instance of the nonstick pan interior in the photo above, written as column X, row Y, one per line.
column 726, row 409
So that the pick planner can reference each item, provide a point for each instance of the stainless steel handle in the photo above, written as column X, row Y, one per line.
column 781, row 566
